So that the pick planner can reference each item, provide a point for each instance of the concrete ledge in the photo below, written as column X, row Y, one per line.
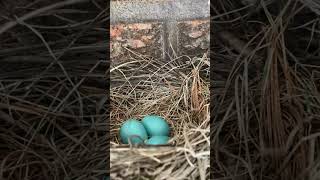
column 144, row 11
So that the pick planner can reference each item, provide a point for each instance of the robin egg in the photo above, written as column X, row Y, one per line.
column 158, row 140
column 134, row 130
column 155, row 125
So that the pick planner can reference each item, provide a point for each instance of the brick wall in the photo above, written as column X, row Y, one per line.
column 159, row 35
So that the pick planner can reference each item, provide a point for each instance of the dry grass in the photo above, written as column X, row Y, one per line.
column 53, row 112
column 177, row 90
column 266, row 84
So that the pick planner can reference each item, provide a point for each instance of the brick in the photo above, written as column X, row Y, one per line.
column 116, row 31
column 140, row 26
column 194, row 37
column 143, row 38
column 136, row 43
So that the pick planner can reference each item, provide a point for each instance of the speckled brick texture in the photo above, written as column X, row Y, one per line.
column 142, row 38
column 146, row 39
column 194, row 37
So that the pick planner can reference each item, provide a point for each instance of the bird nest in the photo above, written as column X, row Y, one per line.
column 177, row 90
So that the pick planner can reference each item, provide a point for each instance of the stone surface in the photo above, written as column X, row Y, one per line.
column 150, row 10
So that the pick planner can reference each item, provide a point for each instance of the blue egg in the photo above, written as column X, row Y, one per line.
column 158, row 140
column 155, row 125
column 134, row 130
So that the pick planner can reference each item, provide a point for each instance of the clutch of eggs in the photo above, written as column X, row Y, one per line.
column 138, row 132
